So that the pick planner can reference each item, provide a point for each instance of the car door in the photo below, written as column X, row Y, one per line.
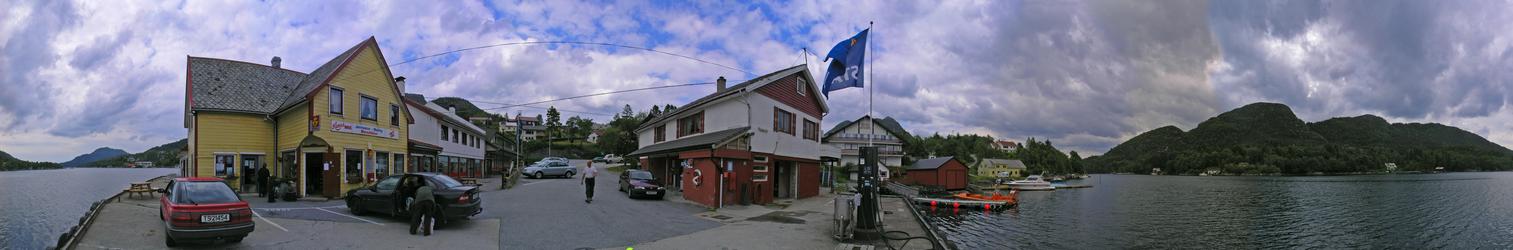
column 625, row 180
column 558, row 168
column 163, row 201
column 381, row 197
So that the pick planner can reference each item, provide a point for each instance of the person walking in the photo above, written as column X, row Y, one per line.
column 262, row 181
column 588, row 182
column 420, row 210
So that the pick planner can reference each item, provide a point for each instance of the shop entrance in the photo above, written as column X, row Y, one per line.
column 314, row 173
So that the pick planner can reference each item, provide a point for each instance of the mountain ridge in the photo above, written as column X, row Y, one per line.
column 100, row 153
column 1268, row 138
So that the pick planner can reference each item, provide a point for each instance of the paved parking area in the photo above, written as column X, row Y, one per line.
column 550, row 214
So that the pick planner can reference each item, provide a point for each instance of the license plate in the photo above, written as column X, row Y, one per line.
column 651, row 192
column 213, row 218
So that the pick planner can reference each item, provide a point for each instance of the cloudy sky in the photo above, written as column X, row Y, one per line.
column 1086, row 74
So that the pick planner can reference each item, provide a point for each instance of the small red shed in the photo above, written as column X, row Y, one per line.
column 946, row 172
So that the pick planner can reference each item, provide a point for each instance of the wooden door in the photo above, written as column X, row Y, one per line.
column 332, row 176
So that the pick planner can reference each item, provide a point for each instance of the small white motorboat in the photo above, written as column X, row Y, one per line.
column 1031, row 181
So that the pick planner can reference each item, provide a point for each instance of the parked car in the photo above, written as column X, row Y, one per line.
column 545, row 168
column 600, row 159
column 612, row 158
column 554, row 158
column 389, row 196
column 640, row 183
column 203, row 208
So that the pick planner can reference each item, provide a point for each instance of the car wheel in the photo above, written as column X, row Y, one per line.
column 569, row 174
column 539, row 176
column 168, row 240
column 352, row 206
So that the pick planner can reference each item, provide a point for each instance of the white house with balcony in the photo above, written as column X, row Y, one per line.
column 461, row 144
column 887, row 134
column 760, row 139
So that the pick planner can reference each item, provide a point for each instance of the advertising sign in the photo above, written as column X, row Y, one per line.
column 352, row 128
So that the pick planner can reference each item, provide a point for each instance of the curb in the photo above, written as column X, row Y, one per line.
column 71, row 237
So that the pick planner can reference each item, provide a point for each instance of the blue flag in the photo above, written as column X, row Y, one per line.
column 846, row 63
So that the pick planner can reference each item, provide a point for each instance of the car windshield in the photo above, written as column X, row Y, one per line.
column 640, row 175
column 446, row 181
column 388, row 183
column 203, row 192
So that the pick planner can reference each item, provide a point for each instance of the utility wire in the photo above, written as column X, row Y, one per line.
column 539, row 107
column 599, row 94
column 554, row 42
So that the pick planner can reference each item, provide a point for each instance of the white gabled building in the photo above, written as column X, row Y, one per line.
column 458, row 144
column 764, row 132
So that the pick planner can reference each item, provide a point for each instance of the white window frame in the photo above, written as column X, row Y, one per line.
column 801, row 84
column 362, row 104
column 339, row 94
column 760, row 168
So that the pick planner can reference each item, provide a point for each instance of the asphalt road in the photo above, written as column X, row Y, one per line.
column 550, row 214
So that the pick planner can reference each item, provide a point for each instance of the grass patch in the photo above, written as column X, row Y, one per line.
column 616, row 169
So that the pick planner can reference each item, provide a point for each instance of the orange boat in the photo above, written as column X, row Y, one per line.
column 1010, row 198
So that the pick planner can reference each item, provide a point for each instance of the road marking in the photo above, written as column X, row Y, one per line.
column 534, row 182
column 260, row 216
column 297, row 208
column 349, row 216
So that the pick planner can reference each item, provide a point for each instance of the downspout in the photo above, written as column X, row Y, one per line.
column 276, row 153
column 719, row 169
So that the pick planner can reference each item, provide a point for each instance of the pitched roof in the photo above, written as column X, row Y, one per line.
column 226, row 85
column 741, row 87
column 321, row 75
column 932, row 163
column 704, row 141
column 993, row 162
column 888, row 124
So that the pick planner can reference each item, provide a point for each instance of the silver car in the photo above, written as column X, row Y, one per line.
column 549, row 168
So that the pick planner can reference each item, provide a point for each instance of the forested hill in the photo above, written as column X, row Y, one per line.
column 166, row 155
column 8, row 163
column 1268, row 138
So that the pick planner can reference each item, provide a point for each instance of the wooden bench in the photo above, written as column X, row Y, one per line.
column 136, row 188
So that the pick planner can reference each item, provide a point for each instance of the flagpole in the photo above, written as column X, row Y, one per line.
column 870, row 118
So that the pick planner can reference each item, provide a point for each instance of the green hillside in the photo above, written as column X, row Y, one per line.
column 8, row 163
column 1267, row 138
column 165, row 155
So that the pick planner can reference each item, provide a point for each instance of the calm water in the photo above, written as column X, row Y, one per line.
column 36, row 206
column 1457, row 210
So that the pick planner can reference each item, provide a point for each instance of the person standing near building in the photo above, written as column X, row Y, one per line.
column 262, row 182
column 420, row 209
column 588, row 182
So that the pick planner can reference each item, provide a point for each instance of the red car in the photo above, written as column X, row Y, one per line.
column 203, row 208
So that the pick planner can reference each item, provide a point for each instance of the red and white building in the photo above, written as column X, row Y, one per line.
column 753, row 142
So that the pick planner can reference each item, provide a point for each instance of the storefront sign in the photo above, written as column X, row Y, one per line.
column 352, row 128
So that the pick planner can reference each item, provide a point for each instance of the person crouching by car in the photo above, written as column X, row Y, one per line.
column 420, row 210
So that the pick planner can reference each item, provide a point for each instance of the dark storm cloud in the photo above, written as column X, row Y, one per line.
column 1408, row 59
column 1083, row 74
column 25, row 95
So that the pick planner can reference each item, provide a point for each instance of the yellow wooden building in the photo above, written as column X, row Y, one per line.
column 333, row 129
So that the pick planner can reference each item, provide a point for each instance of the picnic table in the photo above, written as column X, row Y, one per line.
column 143, row 188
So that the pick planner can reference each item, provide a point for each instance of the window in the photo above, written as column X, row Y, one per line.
column 288, row 165
column 759, row 168
column 800, row 85
column 354, row 165
column 225, row 165
column 399, row 163
column 444, row 132
column 456, row 137
column 660, row 133
column 782, row 121
column 369, row 108
column 811, row 130
column 381, row 163
column 690, row 125
column 393, row 114
column 759, row 177
column 759, row 158
column 335, row 100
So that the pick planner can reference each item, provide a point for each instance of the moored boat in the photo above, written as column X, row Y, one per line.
column 1031, row 181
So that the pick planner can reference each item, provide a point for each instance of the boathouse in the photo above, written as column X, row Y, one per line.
column 946, row 172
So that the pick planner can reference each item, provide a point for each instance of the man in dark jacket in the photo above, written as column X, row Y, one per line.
column 420, row 210
column 262, row 181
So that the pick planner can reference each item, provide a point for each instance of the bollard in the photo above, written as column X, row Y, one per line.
column 987, row 206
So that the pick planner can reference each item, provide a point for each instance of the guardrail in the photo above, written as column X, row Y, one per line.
column 69, row 239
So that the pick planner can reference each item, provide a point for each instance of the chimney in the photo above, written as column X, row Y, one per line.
column 400, row 81
column 276, row 62
column 719, row 84
column 452, row 108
